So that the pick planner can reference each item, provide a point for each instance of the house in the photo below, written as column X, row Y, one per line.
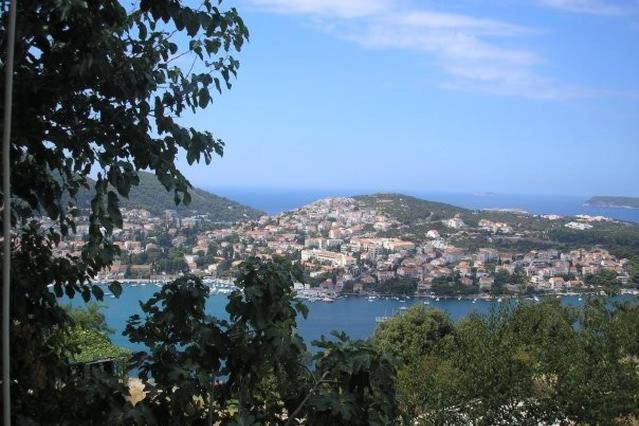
column 466, row 281
column 485, row 283
column 455, row 223
column 556, row 282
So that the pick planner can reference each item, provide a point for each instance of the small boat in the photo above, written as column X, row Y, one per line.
column 474, row 300
column 536, row 299
column 437, row 300
column 427, row 302
column 326, row 299
column 459, row 298
column 403, row 308
column 499, row 300
column 580, row 299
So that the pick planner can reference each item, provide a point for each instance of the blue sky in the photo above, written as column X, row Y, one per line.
column 527, row 96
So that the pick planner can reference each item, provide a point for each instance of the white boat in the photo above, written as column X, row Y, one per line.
column 326, row 299
column 536, row 299
column 427, row 302
column 403, row 308
column 437, row 300
column 499, row 300
column 459, row 298
column 580, row 299
column 474, row 300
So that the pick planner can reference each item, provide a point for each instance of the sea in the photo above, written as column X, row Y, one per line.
column 274, row 201
column 356, row 316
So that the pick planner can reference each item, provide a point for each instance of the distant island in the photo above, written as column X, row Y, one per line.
column 613, row 202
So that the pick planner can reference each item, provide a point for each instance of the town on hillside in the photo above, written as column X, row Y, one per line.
column 354, row 246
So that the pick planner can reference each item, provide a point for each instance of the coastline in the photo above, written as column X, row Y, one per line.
column 225, row 286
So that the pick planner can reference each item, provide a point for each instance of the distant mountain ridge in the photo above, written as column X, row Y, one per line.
column 152, row 196
column 614, row 202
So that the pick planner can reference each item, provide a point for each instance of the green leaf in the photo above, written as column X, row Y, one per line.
column 116, row 288
column 97, row 292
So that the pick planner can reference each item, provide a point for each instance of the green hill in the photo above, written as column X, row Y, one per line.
column 618, row 202
column 409, row 210
column 152, row 196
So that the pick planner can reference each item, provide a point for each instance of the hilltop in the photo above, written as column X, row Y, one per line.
column 614, row 202
column 152, row 196
column 410, row 210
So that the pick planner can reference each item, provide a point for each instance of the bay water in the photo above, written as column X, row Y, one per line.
column 356, row 316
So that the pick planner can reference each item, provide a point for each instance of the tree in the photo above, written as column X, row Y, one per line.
column 258, row 353
column 89, row 318
column 357, row 385
column 98, row 90
column 529, row 364
column 412, row 334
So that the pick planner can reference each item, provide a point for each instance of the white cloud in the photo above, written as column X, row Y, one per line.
column 593, row 7
column 474, row 53
column 450, row 21
column 337, row 8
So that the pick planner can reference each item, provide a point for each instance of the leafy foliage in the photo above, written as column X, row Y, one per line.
column 88, row 337
column 98, row 91
column 528, row 364
column 396, row 285
column 359, row 388
column 258, row 353
column 412, row 334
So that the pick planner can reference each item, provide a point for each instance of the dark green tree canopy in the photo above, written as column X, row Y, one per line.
column 99, row 89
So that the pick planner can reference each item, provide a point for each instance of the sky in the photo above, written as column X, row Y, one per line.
column 518, row 97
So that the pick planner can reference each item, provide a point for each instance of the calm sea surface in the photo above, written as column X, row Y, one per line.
column 353, row 315
column 274, row 201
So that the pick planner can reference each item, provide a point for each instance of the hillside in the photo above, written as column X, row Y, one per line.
column 410, row 210
column 152, row 196
column 528, row 232
column 615, row 202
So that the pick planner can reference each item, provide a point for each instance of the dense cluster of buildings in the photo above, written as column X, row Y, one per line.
column 344, row 244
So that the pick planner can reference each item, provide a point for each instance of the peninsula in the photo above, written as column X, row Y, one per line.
column 613, row 202
column 380, row 244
